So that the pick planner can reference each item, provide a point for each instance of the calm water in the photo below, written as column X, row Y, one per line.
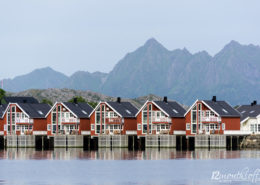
column 120, row 166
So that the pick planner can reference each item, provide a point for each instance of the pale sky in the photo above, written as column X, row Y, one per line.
column 93, row 35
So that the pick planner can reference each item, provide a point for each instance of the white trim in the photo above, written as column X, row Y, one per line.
column 131, row 132
column 179, row 132
column 244, row 120
column 160, row 108
column 5, row 111
column 15, row 111
column 61, row 111
column 210, row 108
column 155, row 105
column 105, row 110
column 190, row 107
column 85, row 132
column 141, row 108
column 237, row 132
column 1, row 132
column 39, row 132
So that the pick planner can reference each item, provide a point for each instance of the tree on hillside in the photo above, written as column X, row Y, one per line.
column 80, row 99
column 93, row 104
column 47, row 101
column 2, row 95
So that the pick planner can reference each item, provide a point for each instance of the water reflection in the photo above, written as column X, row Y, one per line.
column 123, row 154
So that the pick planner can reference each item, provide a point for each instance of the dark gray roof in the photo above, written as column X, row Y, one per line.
column 35, row 110
column 126, row 109
column 20, row 99
column 249, row 111
column 222, row 108
column 172, row 108
column 82, row 110
column 2, row 109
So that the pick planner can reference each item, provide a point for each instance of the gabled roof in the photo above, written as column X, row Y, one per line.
column 82, row 110
column 20, row 99
column 2, row 110
column 79, row 110
column 172, row 108
column 34, row 110
column 220, row 108
column 249, row 111
column 125, row 109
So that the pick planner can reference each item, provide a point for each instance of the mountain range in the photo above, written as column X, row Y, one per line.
column 233, row 74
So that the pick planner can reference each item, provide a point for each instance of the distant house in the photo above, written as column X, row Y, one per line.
column 2, row 110
column 25, row 118
column 67, row 118
column 20, row 99
column 113, row 118
column 212, row 117
column 250, row 118
column 163, row 117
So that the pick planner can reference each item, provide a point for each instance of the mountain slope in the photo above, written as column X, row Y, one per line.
column 233, row 74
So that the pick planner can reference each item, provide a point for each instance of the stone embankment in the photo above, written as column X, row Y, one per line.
column 252, row 141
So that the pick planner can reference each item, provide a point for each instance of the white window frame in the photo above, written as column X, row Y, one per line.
column 49, row 127
column 187, row 126
column 92, row 126
column 139, row 126
column 223, row 126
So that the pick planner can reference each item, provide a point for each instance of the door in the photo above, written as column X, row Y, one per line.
column 207, row 129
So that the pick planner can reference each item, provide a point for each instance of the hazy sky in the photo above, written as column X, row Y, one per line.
column 91, row 35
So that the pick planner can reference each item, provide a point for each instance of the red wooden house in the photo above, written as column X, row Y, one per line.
column 67, row 118
column 164, row 117
column 211, row 117
column 113, row 118
column 2, row 110
column 25, row 119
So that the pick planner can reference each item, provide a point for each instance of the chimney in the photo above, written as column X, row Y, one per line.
column 214, row 98
column 75, row 100
column 118, row 99
column 165, row 99
column 254, row 103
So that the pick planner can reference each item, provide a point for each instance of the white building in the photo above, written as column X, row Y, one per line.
column 250, row 118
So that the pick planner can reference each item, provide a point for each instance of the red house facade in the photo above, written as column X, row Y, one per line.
column 163, row 117
column 25, row 119
column 211, row 117
column 66, row 118
column 113, row 118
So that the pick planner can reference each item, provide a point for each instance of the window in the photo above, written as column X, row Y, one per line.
column 84, row 112
column 207, row 113
column 211, row 126
column 223, row 126
column 40, row 112
column 49, row 127
column 193, row 117
column 252, row 111
column 128, row 112
column 139, row 126
column 194, row 128
column 175, row 111
column 243, row 111
column 199, row 105
column 224, row 110
column 252, row 127
column 258, row 128
column 97, row 129
column 212, row 113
